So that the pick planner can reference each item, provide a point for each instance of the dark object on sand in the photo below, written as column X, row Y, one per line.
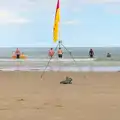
column 67, row 81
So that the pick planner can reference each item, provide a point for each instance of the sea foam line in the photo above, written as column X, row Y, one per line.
column 46, row 60
column 69, row 69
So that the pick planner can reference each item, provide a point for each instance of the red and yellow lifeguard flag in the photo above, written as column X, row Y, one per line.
column 56, row 22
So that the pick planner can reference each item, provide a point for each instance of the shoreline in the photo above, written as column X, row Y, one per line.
column 65, row 69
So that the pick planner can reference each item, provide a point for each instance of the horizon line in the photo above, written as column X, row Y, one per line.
column 58, row 47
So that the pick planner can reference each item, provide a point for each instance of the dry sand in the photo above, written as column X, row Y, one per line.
column 92, row 96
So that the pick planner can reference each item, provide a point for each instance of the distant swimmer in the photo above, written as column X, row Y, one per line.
column 51, row 52
column 108, row 55
column 17, row 52
column 91, row 53
column 60, row 53
column 22, row 54
column 13, row 53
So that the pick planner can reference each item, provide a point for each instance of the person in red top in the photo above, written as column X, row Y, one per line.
column 17, row 52
column 51, row 52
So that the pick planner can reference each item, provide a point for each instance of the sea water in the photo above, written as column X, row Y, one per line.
column 37, row 59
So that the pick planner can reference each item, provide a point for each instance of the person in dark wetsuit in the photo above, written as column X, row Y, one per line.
column 17, row 52
column 91, row 53
column 108, row 55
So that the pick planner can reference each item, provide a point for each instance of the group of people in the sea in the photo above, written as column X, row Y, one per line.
column 51, row 52
column 91, row 54
column 60, row 53
column 17, row 54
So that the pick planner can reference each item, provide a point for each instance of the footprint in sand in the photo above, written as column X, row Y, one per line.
column 59, row 106
column 20, row 99
column 1, row 109
column 46, row 103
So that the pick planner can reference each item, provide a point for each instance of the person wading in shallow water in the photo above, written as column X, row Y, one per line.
column 51, row 52
column 17, row 52
column 91, row 53
column 60, row 53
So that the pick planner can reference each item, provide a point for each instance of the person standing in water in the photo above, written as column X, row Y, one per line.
column 91, row 53
column 108, row 55
column 17, row 52
column 60, row 53
column 51, row 52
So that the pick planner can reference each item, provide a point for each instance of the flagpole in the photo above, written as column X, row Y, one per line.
column 59, row 40
column 59, row 36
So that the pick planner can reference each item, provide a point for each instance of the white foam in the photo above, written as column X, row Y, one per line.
column 73, row 69
column 46, row 60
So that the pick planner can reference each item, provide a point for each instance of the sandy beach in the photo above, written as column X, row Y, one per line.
column 92, row 96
